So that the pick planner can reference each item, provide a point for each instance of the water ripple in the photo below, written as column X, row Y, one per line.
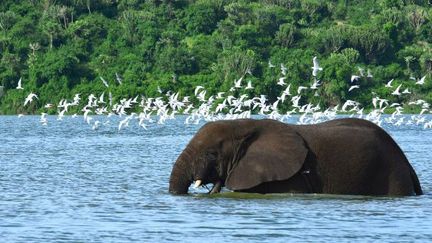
column 67, row 183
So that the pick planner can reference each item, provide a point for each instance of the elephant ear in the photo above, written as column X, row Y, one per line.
column 276, row 153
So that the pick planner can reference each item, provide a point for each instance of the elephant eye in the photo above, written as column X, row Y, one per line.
column 212, row 155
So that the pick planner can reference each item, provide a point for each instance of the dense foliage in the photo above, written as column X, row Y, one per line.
column 62, row 47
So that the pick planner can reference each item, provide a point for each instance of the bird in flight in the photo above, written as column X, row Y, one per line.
column 315, row 67
column 353, row 87
column 104, row 82
column 29, row 98
column 389, row 84
column 19, row 86
column 397, row 90
column 421, row 81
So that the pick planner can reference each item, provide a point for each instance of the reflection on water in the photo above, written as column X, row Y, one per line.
column 66, row 182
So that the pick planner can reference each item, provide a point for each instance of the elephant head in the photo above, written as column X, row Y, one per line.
column 238, row 154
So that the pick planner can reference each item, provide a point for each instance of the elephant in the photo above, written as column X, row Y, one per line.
column 342, row 156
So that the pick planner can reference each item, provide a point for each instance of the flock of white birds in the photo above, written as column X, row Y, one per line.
column 158, row 110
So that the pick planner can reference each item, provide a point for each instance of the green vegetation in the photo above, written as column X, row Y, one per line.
column 63, row 47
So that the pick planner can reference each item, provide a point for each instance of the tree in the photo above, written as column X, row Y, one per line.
column 287, row 35
column 7, row 20
column 416, row 17
column 233, row 64
column 201, row 18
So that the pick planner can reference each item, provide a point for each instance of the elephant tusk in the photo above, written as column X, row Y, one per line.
column 216, row 188
column 198, row 183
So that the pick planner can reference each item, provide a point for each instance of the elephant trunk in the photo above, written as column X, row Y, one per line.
column 181, row 177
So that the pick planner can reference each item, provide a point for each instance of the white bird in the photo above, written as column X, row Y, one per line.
column 119, row 79
column 295, row 100
column 361, row 70
column 135, row 100
column 353, row 87
column 315, row 84
column 287, row 90
column 421, row 81
column 349, row 103
column 354, row 78
column 201, row 96
column 76, row 99
column 389, row 84
column 406, row 91
column 237, row 83
column 248, row 71
column 281, row 81
column 43, row 120
column 47, row 106
column 300, row 88
column 249, row 85
column 270, row 65
column 369, row 74
column 315, row 67
column 96, row 125
column 375, row 101
column 101, row 98
column 197, row 89
column 220, row 95
column 61, row 115
column 220, row 107
column 19, row 86
column 274, row 105
column 124, row 123
column 86, row 112
column 283, row 69
column 29, row 98
column 397, row 90
column 104, row 82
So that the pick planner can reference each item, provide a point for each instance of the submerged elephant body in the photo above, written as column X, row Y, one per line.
column 344, row 156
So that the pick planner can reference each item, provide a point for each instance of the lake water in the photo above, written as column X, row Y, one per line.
column 67, row 182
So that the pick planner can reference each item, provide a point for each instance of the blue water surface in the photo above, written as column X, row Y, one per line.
column 65, row 182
